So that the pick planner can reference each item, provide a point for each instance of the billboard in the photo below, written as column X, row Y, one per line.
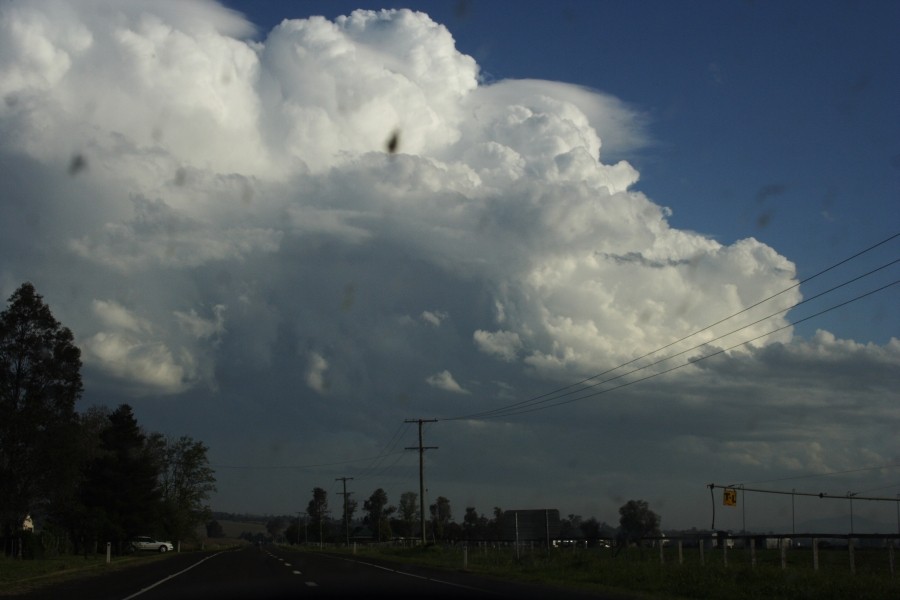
column 529, row 525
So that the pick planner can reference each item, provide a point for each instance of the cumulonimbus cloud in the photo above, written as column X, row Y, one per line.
column 214, row 166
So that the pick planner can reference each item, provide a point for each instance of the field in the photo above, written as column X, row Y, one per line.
column 643, row 575
column 234, row 529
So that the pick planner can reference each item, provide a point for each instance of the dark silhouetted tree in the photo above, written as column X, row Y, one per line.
column 121, row 490
column 276, row 526
column 440, row 516
column 214, row 529
column 408, row 510
column 475, row 526
column 40, row 381
column 636, row 521
column 349, row 508
column 316, row 511
column 186, row 482
column 378, row 514
column 495, row 525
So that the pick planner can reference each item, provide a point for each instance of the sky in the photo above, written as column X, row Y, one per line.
column 605, row 250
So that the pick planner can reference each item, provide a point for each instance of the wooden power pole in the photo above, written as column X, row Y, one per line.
column 421, row 450
column 346, row 516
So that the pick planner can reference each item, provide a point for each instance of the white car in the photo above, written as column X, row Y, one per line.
column 144, row 542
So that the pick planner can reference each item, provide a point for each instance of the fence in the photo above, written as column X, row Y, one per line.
column 816, row 551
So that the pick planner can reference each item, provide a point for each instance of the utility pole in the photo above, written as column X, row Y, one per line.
column 346, row 516
column 421, row 450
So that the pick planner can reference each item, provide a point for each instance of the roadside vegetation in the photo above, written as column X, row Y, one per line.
column 73, row 482
column 23, row 576
column 640, row 574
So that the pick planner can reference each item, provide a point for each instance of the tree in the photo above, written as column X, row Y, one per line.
column 40, row 381
column 570, row 527
column 186, row 481
column 495, row 525
column 121, row 489
column 409, row 511
column 350, row 506
column 636, row 521
column 214, row 529
column 378, row 513
column 316, row 511
column 440, row 516
column 471, row 522
column 68, row 511
column 275, row 526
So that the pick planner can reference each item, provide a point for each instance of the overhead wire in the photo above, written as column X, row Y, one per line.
column 580, row 385
column 690, row 362
column 554, row 398
column 827, row 474
column 518, row 407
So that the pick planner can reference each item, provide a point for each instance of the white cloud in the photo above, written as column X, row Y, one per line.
column 138, row 363
column 113, row 314
column 444, row 381
column 203, row 328
column 433, row 317
column 502, row 344
column 316, row 370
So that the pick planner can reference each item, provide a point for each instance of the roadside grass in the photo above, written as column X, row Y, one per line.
column 18, row 576
column 22, row 576
column 642, row 575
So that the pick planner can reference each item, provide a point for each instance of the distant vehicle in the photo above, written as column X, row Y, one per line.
column 144, row 542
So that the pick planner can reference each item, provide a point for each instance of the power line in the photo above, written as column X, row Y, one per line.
column 828, row 474
column 580, row 385
column 558, row 391
column 517, row 411
column 546, row 400
column 549, row 397
column 310, row 466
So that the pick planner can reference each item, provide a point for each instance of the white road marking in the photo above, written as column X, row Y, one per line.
column 312, row 584
column 297, row 573
column 150, row 587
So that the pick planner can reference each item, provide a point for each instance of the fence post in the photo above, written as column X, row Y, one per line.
column 662, row 559
column 753, row 552
column 724, row 543
column 783, row 550
column 702, row 559
column 891, row 557
column 815, row 545
column 681, row 556
column 108, row 552
column 465, row 558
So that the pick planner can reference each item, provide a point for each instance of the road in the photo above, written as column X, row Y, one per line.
column 272, row 573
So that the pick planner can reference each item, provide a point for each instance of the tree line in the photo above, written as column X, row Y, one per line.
column 381, row 521
column 85, row 478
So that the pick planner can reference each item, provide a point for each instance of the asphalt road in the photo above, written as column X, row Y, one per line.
column 272, row 573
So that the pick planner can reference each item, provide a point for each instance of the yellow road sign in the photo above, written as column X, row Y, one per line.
column 729, row 497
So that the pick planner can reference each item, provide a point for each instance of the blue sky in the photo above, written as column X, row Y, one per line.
column 206, row 199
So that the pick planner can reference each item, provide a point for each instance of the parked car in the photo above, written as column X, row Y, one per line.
column 143, row 542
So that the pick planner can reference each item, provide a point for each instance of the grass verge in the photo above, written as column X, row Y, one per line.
column 19, row 576
column 642, row 575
